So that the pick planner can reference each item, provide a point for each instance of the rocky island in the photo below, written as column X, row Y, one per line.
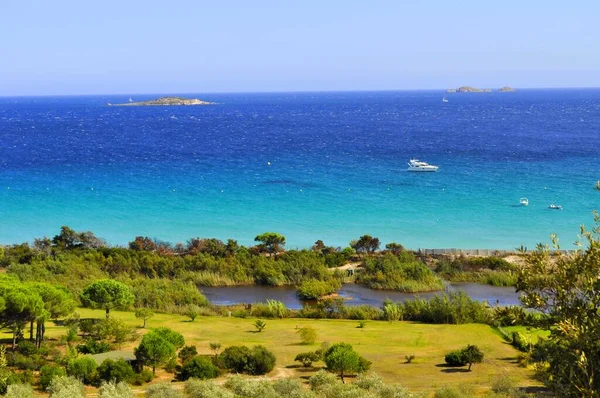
column 506, row 89
column 469, row 89
column 166, row 101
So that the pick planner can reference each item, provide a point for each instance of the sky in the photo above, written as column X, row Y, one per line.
column 69, row 47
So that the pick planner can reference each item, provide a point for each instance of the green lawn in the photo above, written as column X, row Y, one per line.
column 383, row 343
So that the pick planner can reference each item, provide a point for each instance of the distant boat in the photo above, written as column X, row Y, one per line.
column 524, row 202
column 598, row 185
column 555, row 207
column 417, row 165
column 130, row 100
column 444, row 99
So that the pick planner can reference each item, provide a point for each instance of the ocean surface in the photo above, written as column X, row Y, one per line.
column 311, row 166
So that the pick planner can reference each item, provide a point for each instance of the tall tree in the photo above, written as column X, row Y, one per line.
column 342, row 359
column 107, row 294
column 57, row 302
column 158, row 346
column 567, row 288
column 272, row 242
column 21, row 306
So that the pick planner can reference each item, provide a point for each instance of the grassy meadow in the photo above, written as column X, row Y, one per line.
column 383, row 343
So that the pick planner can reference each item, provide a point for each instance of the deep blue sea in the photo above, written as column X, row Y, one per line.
column 311, row 166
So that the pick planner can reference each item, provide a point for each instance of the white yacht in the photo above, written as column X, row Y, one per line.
column 555, row 207
column 444, row 99
column 417, row 165
column 524, row 202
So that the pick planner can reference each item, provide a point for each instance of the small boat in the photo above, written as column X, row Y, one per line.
column 598, row 185
column 417, row 165
column 555, row 207
column 444, row 99
column 130, row 100
column 524, row 202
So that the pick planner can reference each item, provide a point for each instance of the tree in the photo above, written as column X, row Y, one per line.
column 472, row 355
column 58, row 302
column 308, row 335
column 142, row 243
column 260, row 325
column 341, row 358
column 272, row 242
column 215, row 347
column 192, row 312
column 107, row 294
column 395, row 248
column 144, row 314
column 186, row 353
column 154, row 351
column 198, row 368
column 365, row 244
column 171, row 336
column 318, row 246
column 69, row 239
column 566, row 288
column 83, row 368
column 20, row 305
column 307, row 358
column 260, row 361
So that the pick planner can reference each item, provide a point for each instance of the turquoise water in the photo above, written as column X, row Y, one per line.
column 327, row 166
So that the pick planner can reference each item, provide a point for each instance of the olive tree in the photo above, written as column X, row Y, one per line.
column 566, row 287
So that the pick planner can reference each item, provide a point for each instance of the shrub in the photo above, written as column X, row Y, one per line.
column 277, row 309
column 259, row 325
column 19, row 391
column 241, row 359
column 144, row 314
column 186, row 353
column 49, row 372
column 455, row 358
column 503, row 385
column 65, row 387
column 91, row 346
column 162, row 390
column 115, row 370
column 289, row 388
column 192, row 312
column 83, row 369
column 27, row 348
column 307, row 358
column 321, row 379
column 204, row 389
column 314, row 289
column 198, row 368
column 115, row 390
column 145, row 376
column 308, row 335
column 261, row 361
column 250, row 388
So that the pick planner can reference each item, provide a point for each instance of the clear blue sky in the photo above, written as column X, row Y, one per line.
column 131, row 46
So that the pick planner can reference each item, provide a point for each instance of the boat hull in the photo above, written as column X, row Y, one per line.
column 421, row 170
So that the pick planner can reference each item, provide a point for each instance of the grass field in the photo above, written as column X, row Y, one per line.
column 383, row 343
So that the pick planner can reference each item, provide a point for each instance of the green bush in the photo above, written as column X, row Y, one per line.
column 241, row 359
column 162, row 390
column 27, row 348
column 204, row 389
column 115, row 390
column 84, row 369
column 198, row 368
column 49, row 372
column 315, row 289
column 403, row 273
column 115, row 370
column 19, row 391
column 145, row 376
column 455, row 358
column 66, row 387
column 91, row 346
column 307, row 358
column 186, row 353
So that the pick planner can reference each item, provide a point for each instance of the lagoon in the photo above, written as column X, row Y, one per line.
column 353, row 294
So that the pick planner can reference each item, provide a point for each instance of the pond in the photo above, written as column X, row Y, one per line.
column 354, row 294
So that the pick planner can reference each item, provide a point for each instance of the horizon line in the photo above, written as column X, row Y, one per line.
column 296, row 91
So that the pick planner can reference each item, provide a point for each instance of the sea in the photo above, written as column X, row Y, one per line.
column 329, row 166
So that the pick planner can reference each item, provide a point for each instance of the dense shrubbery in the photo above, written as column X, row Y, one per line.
column 493, row 271
column 466, row 356
column 241, row 359
column 455, row 307
column 402, row 272
column 313, row 289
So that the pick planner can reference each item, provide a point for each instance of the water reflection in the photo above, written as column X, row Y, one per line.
column 354, row 294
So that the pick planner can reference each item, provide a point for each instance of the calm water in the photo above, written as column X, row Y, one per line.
column 353, row 294
column 325, row 166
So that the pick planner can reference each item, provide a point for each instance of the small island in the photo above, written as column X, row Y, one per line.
column 469, row 89
column 506, row 89
column 166, row 101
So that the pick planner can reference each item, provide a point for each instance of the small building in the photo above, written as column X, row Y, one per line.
column 115, row 356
